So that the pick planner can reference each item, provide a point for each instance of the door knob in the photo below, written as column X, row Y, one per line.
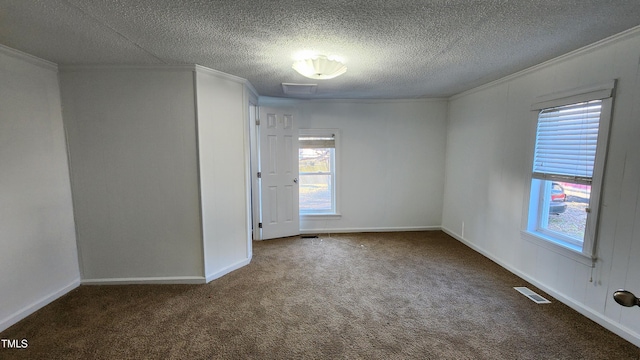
column 626, row 298
column 295, row 180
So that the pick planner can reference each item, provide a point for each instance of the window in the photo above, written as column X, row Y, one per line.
column 568, row 164
column 317, row 167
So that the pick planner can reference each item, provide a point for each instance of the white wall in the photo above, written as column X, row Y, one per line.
column 134, row 173
column 38, row 260
column 223, row 156
column 489, row 139
column 391, row 161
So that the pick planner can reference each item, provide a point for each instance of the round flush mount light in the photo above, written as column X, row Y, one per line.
column 320, row 67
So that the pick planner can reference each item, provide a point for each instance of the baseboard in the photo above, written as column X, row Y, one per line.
column 618, row 329
column 146, row 280
column 228, row 269
column 371, row 229
column 37, row 305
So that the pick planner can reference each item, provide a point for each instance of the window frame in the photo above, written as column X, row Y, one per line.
column 335, row 213
column 532, row 206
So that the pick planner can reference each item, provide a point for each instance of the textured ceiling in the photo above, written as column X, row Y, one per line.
column 393, row 48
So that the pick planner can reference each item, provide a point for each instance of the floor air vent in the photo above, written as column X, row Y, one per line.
column 532, row 295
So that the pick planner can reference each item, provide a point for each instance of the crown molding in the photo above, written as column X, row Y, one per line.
column 136, row 67
column 158, row 67
column 634, row 31
column 34, row 60
column 223, row 75
column 292, row 101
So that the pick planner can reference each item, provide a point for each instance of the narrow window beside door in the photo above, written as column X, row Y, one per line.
column 317, row 171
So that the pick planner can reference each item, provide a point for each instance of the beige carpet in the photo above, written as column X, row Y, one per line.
column 412, row 295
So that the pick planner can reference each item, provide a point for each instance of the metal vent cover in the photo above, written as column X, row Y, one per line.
column 299, row 89
column 532, row 295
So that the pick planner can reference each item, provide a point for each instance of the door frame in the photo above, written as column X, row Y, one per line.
column 254, row 110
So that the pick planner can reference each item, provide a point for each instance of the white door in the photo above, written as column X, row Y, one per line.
column 278, row 173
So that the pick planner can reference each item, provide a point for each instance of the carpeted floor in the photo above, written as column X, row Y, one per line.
column 411, row 295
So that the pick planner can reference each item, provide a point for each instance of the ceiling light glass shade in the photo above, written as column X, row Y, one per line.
column 320, row 67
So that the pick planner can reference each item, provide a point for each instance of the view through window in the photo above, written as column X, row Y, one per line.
column 564, row 166
column 316, row 157
column 566, row 207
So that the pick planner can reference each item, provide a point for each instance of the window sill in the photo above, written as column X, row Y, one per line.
column 566, row 250
column 320, row 216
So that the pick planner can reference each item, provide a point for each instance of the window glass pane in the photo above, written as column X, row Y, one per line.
column 315, row 193
column 315, row 160
column 316, row 180
column 564, row 209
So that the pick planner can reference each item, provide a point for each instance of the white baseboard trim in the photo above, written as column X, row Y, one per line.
column 228, row 269
column 365, row 230
column 146, row 280
column 618, row 329
column 37, row 305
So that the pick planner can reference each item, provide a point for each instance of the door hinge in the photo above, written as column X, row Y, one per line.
column 260, row 225
column 257, row 121
column 259, row 175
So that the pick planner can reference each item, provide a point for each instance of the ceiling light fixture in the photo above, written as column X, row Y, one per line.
column 320, row 67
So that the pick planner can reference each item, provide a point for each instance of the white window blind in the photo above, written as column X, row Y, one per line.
column 566, row 142
column 317, row 142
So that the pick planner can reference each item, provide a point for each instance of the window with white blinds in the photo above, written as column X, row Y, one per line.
column 567, row 170
column 566, row 142
column 317, row 141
